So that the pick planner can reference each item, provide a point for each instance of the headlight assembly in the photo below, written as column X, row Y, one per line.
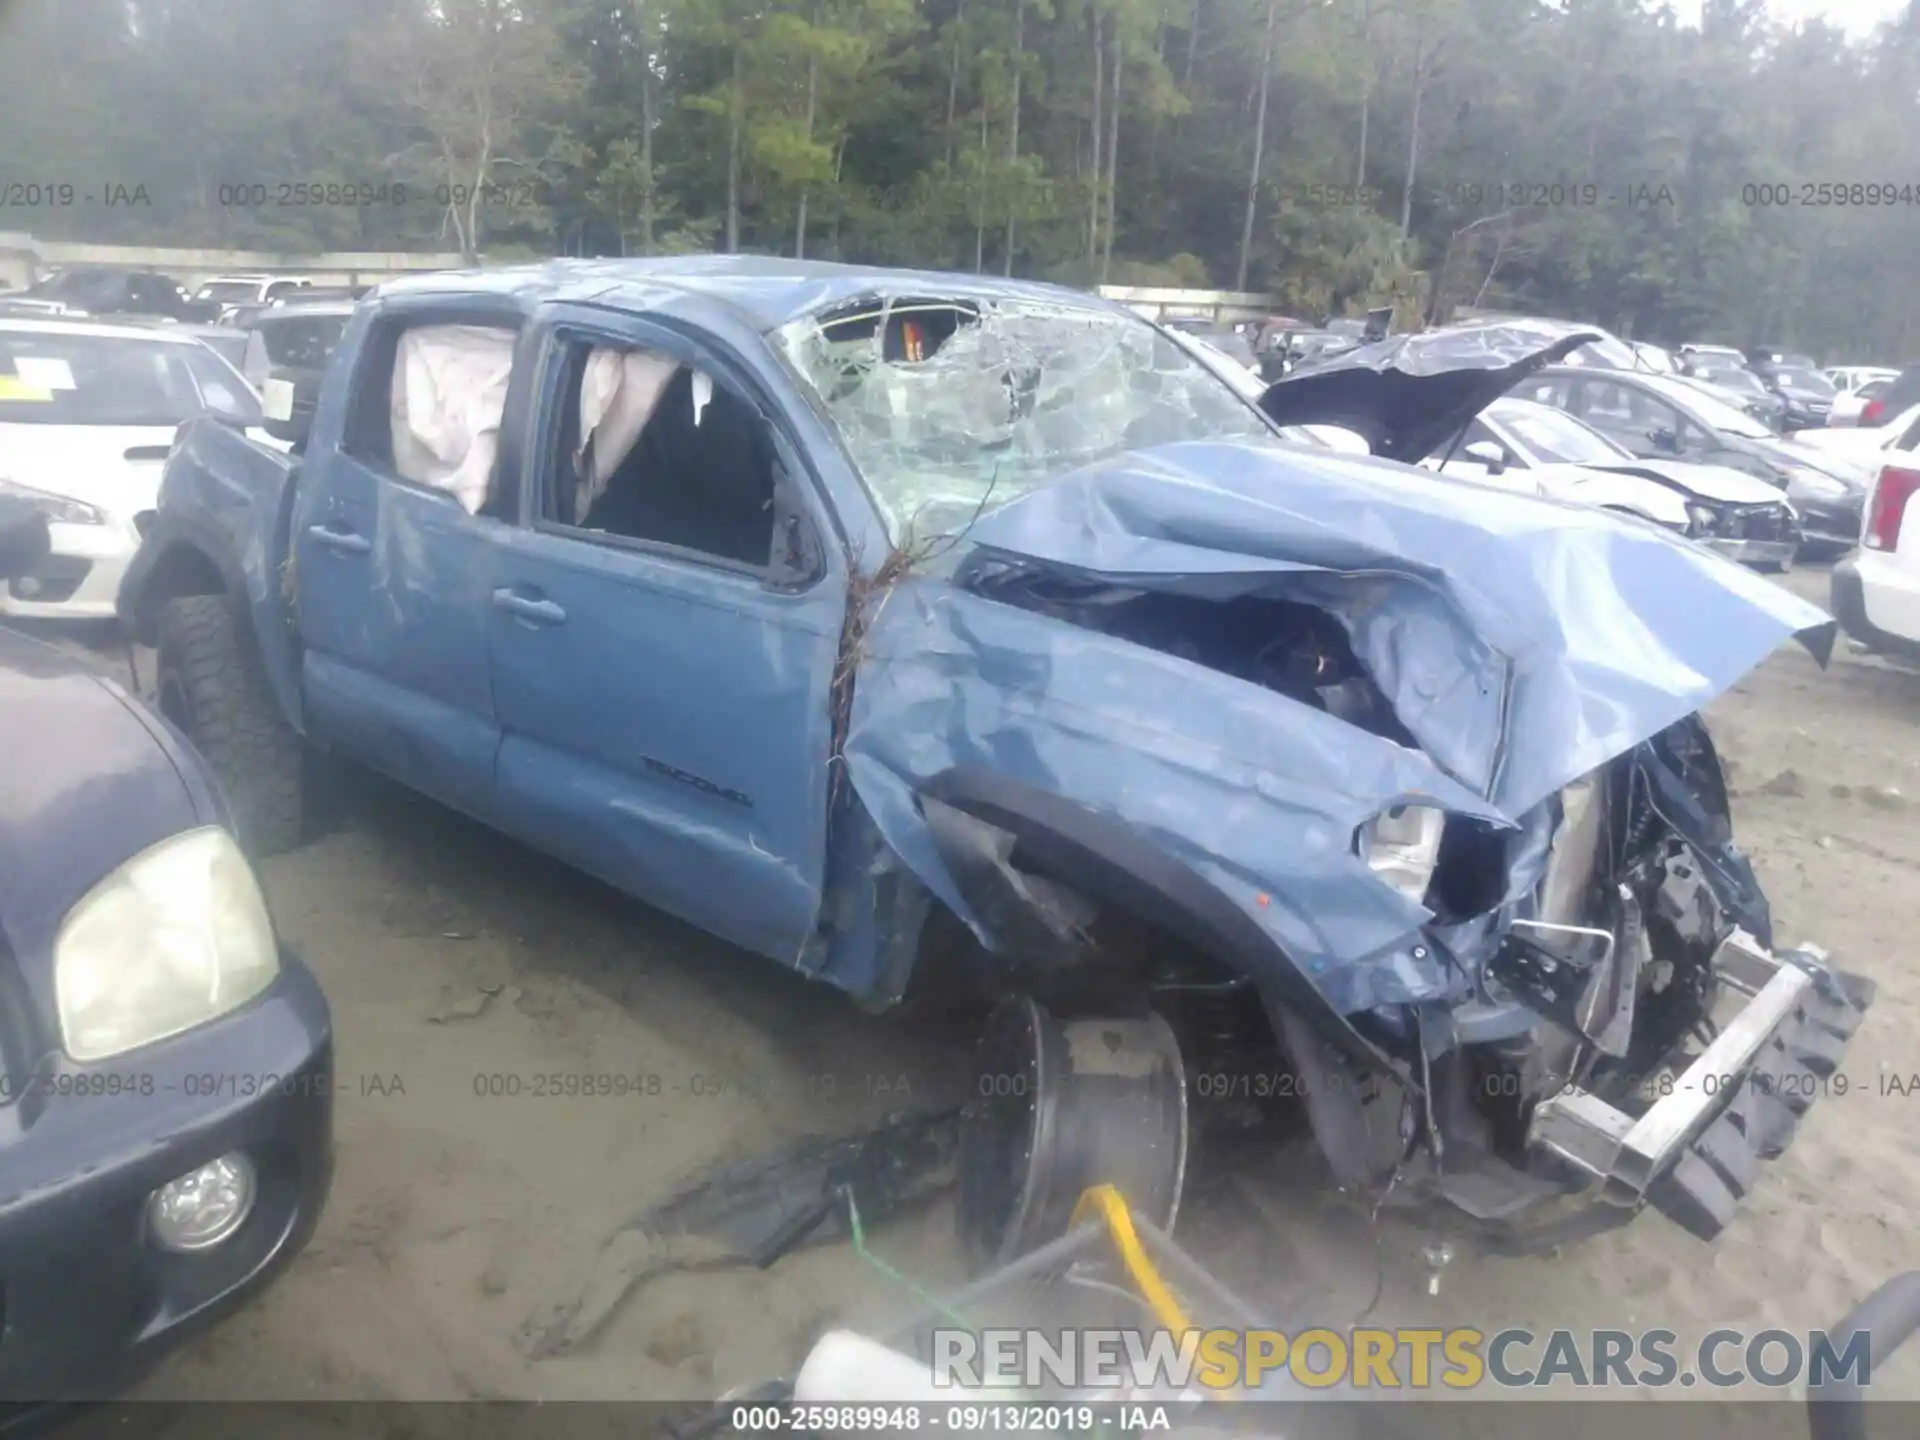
column 1402, row 847
column 57, row 508
column 1702, row 519
column 177, row 936
column 1813, row 482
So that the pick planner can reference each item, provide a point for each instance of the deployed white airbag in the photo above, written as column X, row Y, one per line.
column 449, row 393
column 618, row 394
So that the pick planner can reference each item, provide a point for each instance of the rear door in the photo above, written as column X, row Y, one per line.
column 664, row 633
column 393, row 574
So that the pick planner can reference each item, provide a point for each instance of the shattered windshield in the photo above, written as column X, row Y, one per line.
column 949, row 408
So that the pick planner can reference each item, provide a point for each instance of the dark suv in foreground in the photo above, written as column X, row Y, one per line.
column 166, row 1068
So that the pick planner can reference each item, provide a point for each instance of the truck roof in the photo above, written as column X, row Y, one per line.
column 765, row 290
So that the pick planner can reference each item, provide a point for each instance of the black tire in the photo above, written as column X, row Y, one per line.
column 210, row 686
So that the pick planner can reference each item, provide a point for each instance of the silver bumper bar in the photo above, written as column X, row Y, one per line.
column 1754, row 552
column 1694, row 1151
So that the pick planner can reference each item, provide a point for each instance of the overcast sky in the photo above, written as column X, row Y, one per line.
column 1858, row 16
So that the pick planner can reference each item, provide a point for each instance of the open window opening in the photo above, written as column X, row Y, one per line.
column 655, row 450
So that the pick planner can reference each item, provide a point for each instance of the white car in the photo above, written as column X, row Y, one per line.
column 1725, row 354
column 231, row 291
column 1861, row 444
column 1852, row 377
column 1850, row 400
column 1875, row 592
column 87, row 415
column 1525, row 445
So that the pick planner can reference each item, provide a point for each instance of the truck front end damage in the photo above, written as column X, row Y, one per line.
column 1385, row 797
column 1396, row 788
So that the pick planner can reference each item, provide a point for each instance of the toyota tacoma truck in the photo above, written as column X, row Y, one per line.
column 858, row 616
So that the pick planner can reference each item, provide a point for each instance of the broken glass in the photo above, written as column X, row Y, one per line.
column 1017, row 394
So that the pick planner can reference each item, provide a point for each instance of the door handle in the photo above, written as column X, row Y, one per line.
column 344, row 541
column 540, row 612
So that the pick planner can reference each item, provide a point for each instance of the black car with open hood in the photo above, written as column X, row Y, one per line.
column 1410, row 394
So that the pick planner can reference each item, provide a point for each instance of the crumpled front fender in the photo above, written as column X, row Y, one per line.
column 1255, row 792
column 1522, row 644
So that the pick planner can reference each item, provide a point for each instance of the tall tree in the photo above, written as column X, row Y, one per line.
column 1259, row 146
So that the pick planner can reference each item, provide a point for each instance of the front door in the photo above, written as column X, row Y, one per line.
column 664, row 627
column 1630, row 417
column 393, row 579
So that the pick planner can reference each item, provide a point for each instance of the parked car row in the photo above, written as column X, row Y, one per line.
column 119, row 292
column 165, row 1064
column 89, row 411
column 1664, row 417
column 1544, row 450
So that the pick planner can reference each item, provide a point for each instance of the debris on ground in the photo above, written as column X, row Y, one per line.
column 470, row 1006
column 1787, row 782
column 752, row 1213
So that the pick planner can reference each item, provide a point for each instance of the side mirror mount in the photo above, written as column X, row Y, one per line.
column 796, row 559
column 24, row 538
column 1486, row 453
column 1667, row 440
column 287, row 400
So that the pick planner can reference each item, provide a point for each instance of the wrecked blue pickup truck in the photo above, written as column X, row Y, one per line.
column 848, row 613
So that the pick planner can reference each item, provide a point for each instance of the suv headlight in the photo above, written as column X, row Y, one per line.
column 1402, row 847
column 57, row 508
column 177, row 936
column 1702, row 519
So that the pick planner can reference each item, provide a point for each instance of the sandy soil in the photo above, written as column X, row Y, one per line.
column 459, row 1216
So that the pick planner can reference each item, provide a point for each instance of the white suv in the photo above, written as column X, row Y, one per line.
column 1876, row 591
column 231, row 291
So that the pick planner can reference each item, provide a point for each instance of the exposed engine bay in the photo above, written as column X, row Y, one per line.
column 1296, row 649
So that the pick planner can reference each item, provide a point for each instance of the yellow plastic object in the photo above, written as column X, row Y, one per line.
column 1112, row 1208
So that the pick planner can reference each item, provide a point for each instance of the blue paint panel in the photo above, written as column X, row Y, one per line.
column 427, row 745
column 393, row 583
column 671, row 733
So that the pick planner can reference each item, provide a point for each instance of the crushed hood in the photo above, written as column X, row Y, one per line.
column 1410, row 394
column 1521, row 642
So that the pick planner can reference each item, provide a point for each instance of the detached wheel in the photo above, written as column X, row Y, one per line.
column 211, row 687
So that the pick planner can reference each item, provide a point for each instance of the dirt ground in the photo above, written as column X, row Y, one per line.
column 460, row 965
